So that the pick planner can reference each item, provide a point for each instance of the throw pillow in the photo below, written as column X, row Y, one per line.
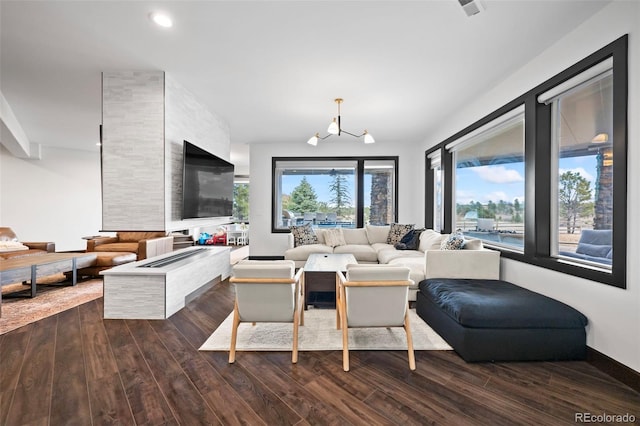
column 430, row 240
column 303, row 235
column 455, row 241
column 410, row 241
column 334, row 237
column 397, row 231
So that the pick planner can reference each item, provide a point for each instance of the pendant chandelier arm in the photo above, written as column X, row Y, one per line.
column 349, row 133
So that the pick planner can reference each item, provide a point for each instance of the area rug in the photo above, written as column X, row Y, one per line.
column 49, row 300
column 319, row 334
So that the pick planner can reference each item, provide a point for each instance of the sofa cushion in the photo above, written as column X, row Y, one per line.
column 303, row 235
column 362, row 252
column 114, row 258
column 397, row 231
column 355, row 236
column 130, row 247
column 385, row 256
column 473, row 244
column 430, row 240
column 415, row 265
column 593, row 250
column 303, row 252
column 378, row 247
column 333, row 237
column 377, row 234
column 130, row 236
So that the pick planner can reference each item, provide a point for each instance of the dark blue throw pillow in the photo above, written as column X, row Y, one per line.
column 410, row 241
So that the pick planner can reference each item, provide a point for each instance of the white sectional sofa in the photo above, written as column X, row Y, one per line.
column 369, row 245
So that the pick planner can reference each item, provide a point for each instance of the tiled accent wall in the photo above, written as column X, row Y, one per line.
column 146, row 117
column 133, row 195
column 186, row 118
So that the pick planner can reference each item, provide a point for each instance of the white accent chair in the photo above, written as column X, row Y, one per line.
column 267, row 291
column 373, row 296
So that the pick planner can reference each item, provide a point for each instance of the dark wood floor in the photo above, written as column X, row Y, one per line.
column 77, row 369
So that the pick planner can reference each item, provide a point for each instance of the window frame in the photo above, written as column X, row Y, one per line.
column 360, row 174
column 538, row 146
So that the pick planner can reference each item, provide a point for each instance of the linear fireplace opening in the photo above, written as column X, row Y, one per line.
column 171, row 259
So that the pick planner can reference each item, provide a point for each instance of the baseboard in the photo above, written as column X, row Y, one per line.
column 614, row 369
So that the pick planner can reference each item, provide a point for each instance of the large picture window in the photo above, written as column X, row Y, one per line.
column 489, row 181
column 334, row 192
column 543, row 179
column 582, row 166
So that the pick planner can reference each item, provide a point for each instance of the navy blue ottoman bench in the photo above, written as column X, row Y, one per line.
column 494, row 320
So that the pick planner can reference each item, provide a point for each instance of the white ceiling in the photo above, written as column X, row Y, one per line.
column 271, row 69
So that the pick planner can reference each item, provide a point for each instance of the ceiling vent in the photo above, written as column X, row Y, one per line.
column 471, row 7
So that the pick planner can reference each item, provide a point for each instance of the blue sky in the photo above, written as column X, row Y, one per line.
column 506, row 181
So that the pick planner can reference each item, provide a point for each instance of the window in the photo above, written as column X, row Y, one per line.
column 582, row 167
column 330, row 192
column 543, row 179
column 489, row 181
column 435, row 181
column 241, row 200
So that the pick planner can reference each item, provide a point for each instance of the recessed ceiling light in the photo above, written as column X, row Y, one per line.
column 161, row 19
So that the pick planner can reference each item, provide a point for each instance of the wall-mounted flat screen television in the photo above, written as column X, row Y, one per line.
column 207, row 184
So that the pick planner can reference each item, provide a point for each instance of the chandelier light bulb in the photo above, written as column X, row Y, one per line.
column 313, row 140
column 368, row 138
column 333, row 128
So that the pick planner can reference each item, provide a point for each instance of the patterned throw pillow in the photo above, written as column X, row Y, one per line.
column 397, row 231
column 334, row 237
column 303, row 235
column 455, row 241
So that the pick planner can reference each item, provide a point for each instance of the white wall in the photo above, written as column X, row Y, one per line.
column 264, row 243
column 54, row 199
column 614, row 314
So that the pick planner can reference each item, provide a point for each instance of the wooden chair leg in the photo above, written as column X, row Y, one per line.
column 301, row 299
column 234, row 334
column 407, row 329
column 294, row 354
column 345, row 334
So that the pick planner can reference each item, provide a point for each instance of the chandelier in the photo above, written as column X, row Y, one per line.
column 336, row 129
